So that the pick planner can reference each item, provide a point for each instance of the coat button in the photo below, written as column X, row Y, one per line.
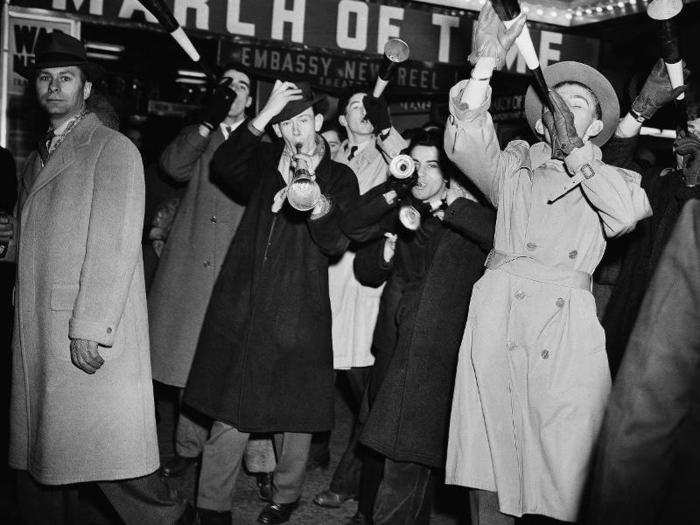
column 213, row 218
column 109, row 330
column 207, row 263
column 573, row 254
column 531, row 246
column 520, row 294
column 511, row 346
column 560, row 302
column 545, row 354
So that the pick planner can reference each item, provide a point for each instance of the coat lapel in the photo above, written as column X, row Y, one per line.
column 66, row 154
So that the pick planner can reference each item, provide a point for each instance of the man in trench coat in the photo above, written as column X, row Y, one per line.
column 264, row 361
column 82, row 401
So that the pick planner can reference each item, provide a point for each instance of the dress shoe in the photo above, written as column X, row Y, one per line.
column 264, row 482
column 188, row 516
column 213, row 517
column 277, row 512
column 331, row 499
column 177, row 466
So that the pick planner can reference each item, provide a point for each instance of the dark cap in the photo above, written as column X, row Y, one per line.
column 57, row 49
column 293, row 108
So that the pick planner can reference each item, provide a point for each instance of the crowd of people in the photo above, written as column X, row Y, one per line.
column 448, row 278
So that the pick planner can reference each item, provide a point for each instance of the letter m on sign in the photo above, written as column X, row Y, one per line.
column 95, row 7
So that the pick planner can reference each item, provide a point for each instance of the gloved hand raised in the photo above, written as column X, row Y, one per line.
column 219, row 104
column 560, row 125
column 377, row 112
column 657, row 91
column 689, row 148
column 490, row 38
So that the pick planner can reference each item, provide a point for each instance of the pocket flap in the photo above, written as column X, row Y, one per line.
column 63, row 296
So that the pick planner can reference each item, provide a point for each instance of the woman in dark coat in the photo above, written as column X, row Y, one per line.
column 430, row 273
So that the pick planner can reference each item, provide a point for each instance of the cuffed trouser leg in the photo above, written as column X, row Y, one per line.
column 404, row 495
column 288, row 477
column 221, row 463
column 43, row 504
column 190, row 435
column 143, row 501
column 483, row 509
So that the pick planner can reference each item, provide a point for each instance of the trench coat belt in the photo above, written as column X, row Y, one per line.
column 530, row 268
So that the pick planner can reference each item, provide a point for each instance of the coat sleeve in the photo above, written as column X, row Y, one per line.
column 342, row 191
column 113, row 242
column 367, row 219
column 471, row 143
column 369, row 265
column 620, row 152
column 473, row 221
column 235, row 166
column 180, row 157
column 615, row 193
column 654, row 388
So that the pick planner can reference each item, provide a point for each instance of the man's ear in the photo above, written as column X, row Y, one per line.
column 248, row 101
column 87, row 89
column 276, row 129
column 594, row 128
column 343, row 121
column 318, row 121
column 539, row 126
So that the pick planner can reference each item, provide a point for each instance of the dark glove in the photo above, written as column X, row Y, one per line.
column 377, row 113
column 402, row 187
column 657, row 91
column 219, row 104
column 561, row 127
column 689, row 148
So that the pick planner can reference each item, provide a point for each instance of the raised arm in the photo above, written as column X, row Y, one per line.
column 614, row 192
column 180, row 157
column 235, row 165
column 371, row 265
column 341, row 192
column 368, row 218
column 473, row 220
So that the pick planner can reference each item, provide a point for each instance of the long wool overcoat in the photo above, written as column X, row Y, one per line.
column 264, row 361
column 205, row 223
column 532, row 377
column 80, row 275
column 424, row 318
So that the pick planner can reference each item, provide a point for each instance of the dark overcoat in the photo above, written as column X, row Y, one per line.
column 647, row 467
column 264, row 361
column 643, row 247
column 420, row 328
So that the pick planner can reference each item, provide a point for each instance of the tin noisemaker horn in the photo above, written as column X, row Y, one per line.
column 303, row 193
column 395, row 52
column 508, row 11
column 667, row 12
column 164, row 15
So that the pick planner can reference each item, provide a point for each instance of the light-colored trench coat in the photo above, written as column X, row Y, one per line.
column 199, row 239
column 80, row 275
column 533, row 378
column 353, row 305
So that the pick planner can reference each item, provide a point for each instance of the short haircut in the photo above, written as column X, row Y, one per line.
column 598, row 110
column 429, row 138
column 332, row 126
column 345, row 97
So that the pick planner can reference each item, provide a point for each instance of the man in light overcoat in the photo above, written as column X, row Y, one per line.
column 82, row 401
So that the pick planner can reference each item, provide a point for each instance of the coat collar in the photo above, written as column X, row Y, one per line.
column 65, row 155
column 541, row 154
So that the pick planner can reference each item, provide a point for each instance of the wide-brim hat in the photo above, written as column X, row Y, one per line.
column 57, row 49
column 570, row 71
column 293, row 108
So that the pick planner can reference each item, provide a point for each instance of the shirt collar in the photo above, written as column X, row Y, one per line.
column 226, row 130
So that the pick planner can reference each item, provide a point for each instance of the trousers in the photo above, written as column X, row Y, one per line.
column 404, row 494
column 226, row 446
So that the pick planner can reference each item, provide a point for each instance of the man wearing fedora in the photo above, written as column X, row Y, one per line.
column 264, row 361
column 533, row 378
column 82, row 401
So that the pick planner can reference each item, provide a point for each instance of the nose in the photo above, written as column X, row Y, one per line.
column 295, row 127
column 54, row 85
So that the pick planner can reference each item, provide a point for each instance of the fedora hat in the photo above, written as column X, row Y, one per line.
column 57, row 49
column 570, row 71
column 293, row 108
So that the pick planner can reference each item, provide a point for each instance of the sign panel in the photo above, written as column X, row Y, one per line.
column 435, row 35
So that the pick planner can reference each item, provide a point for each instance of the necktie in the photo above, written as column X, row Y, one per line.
column 44, row 145
column 353, row 150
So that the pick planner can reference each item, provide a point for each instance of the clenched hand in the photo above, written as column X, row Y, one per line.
column 84, row 355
